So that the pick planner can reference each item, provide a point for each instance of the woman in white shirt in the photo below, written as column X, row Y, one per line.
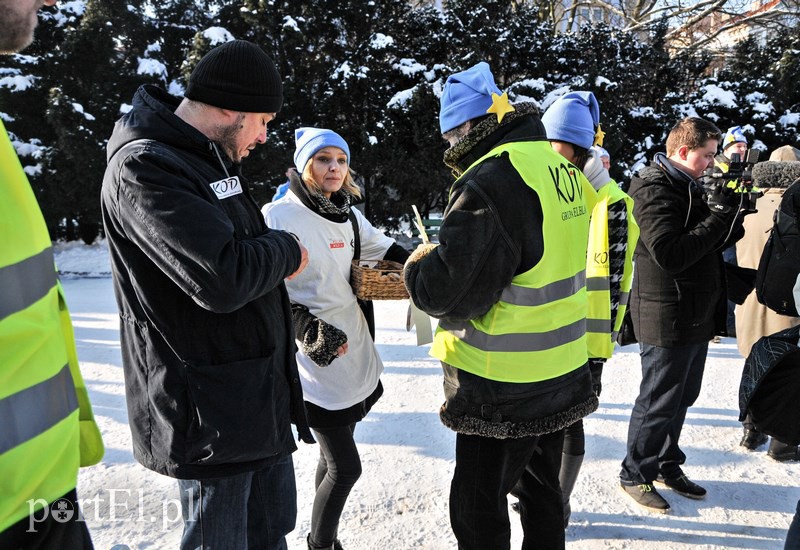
column 338, row 363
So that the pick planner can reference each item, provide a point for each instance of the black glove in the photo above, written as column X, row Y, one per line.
column 320, row 339
column 596, row 370
column 723, row 201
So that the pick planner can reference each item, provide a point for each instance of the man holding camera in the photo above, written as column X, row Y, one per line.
column 677, row 303
column 734, row 149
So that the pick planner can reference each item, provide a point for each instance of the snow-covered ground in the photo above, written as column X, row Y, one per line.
column 401, row 500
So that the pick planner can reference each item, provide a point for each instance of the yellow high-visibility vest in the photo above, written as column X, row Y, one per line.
column 600, row 333
column 537, row 331
column 46, row 424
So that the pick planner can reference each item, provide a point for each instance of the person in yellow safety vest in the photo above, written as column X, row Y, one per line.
column 733, row 142
column 507, row 282
column 572, row 123
column 47, row 429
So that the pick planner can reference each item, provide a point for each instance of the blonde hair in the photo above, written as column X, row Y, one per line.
column 348, row 185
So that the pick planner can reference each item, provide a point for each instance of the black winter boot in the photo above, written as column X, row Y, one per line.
column 753, row 439
column 567, row 476
column 335, row 546
column 782, row 452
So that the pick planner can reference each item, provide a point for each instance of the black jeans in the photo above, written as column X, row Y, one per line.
column 46, row 530
column 338, row 469
column 487, row 470
column 671, row 380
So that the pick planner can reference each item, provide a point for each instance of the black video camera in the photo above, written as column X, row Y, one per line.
column 739, row 177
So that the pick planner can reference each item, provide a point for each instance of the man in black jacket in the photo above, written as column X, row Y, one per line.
column 677, row 303
column 206, row 326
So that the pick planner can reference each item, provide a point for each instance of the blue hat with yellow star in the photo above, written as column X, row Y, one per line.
column 575, row 118
column 733, row 135
column 471, row 94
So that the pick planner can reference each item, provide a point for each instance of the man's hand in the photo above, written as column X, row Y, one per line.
column 723, row 200
column 303, row 260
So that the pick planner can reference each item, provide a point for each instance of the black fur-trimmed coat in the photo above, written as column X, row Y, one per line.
column 492, row 231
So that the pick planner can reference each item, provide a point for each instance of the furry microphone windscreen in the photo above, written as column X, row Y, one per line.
column 775, row 174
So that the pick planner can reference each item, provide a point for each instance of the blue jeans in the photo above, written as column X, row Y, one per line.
column 671, row 380
column 252, row 510
column 793, row 536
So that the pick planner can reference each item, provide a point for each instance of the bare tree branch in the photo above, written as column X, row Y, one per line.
column 757, row 20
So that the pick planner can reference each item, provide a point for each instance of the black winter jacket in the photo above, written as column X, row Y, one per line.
column 206, row 327
column 679, row 284
column 491, row 231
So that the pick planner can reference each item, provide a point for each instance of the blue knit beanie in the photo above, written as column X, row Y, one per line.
column 466, row 95
column 574, row 117
column 310, row 140
column 733, row 135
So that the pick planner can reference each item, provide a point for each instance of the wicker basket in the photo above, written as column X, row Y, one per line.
column 377, row 280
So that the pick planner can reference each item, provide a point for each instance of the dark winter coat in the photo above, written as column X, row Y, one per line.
column 206, row 327
column 769, row 391
column 492, row 231
column 679, row 290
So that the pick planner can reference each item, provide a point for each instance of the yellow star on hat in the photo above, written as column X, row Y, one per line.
column 500, row 106
column 599, row 135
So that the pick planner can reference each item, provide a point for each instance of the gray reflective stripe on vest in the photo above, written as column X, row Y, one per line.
column 623, row 301
column 24, row 283
column 602, row 326
column 598, row 283
column 35, row 410
column 525, row 296
column 518, row 342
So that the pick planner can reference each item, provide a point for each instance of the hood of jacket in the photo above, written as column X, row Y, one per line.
column 662, row 172
column 153, row 118
column 662, row 166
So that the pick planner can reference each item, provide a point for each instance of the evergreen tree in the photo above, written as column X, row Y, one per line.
column 176, row 23
column 104, row 54
column 336, row 66
column 372, row 70
column 756, row 89
column 25, row 82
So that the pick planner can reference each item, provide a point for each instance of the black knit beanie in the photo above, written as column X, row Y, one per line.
column 239, row 76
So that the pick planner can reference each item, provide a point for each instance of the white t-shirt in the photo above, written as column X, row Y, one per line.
column 324, row 287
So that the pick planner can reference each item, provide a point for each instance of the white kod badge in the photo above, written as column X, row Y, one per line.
column 227, row 187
